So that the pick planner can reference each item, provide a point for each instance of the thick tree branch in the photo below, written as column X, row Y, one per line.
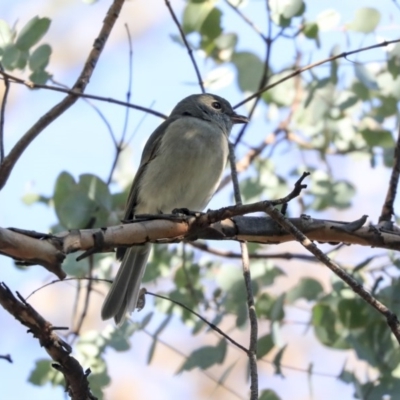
column 49, row 251
column 79, row 87
column 77, row 385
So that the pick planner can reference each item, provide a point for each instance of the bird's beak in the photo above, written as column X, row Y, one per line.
column 239, row 119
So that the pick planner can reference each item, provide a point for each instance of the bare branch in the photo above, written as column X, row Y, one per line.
column 31, row 85
column 247, row 20
column 211, row 325
column 49, row 251
column 264, row 78
column 77, row 329
column 77, row 385
column 256, row 256
column 2, row 114
column 187, row 45
column 252, row 352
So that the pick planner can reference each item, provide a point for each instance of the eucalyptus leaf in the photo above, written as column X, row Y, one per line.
column 194, row 15
column 40, row 57
column 365, row 20
column 205, row 357
column 32, row 32
column 250, row 70
column 307, row 288
column 6, row 34
column 264, row 345
column 268, row 394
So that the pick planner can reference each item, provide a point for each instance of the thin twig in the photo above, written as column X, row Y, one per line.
column 95, row 108
column 120, row 145
column 66, row 280
column 255, row 256
column 252, row 351
column 2, row 114
column 187, row 45
column 316, row 64
column 128, row 94
column 247, row 20
column 73, row 92
column 79, row 87
column 356, row 286
column 264, row 78
column 210, row 324
column 387, row 208
column 204, row 372
column 82, row 317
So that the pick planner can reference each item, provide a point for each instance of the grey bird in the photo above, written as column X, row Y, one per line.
column 181, row 167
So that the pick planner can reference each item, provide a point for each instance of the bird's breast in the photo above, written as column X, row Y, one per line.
column 186, row 169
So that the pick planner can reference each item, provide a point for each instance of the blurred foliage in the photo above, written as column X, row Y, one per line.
column 335, row 113
column 18, row 49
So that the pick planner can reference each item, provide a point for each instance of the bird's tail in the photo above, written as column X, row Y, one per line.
column 124, row 292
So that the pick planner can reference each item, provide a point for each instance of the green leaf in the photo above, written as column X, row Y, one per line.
column 96, row 190
column 264, row 304
column 310, row 30
column 39, row 59
column 346, row 376
column 205, row 357
column 394, row 61
column 307, row 288
column 343, row 192
column 75, row 210
column 194, row 16
column 283, row 11
column 353, row 313
column 10, row 57
column 282, row 94
column 39, row 77
column 277, row 361
column 5, row 34
column 65, row 183
column 32, row 32
column 268, row 394
column 365, row 76
column 81, row 205
column 211, row 27
column 365, row 20
column 264, row 345
column 43, row 373
column 277, row 310
column 378, row 137
column 393, row 66
column 250, row 70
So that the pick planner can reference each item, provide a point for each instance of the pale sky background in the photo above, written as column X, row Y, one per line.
column 78, row 142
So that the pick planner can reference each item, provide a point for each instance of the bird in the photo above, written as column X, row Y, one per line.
column 181, row 167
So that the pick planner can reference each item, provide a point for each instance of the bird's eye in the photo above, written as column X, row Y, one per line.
column 216, row 105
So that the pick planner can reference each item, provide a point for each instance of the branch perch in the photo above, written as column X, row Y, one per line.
column 77, row 385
